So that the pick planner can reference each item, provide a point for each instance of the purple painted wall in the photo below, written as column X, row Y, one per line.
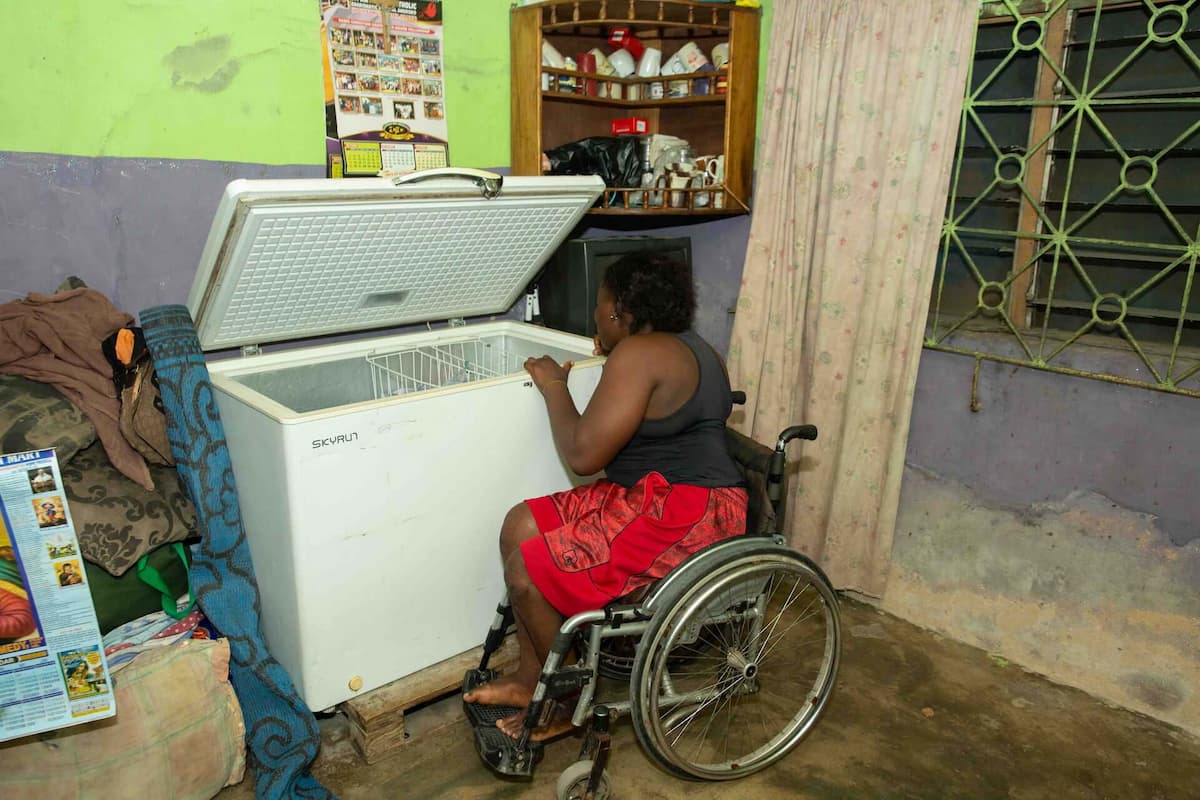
column 132, row 229
column 1040, row 436
column 1057, row 528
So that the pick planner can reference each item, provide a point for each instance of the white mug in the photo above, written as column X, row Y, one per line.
column 662, row 181
column 714, row 168
column 679, row 181
column 689, row 58
column 602, row 65
column 720, row 55
column 650, row 63
column 622, row 62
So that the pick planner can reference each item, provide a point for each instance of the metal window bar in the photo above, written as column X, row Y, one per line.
column 1059, row 287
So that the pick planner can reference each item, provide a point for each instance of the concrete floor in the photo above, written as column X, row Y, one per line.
column 915, row 715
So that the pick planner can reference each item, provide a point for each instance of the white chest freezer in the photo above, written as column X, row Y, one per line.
column 374, row 474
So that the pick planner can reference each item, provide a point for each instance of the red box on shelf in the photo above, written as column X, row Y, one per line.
column 623, row 38
column 630, row 125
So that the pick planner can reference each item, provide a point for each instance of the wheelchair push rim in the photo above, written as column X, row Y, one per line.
column 736, row 672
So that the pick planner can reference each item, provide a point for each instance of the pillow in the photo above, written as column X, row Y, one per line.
column 117, row 520
column 178, row 733
column 34, row 416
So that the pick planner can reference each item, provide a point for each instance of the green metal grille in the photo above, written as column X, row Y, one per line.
column 1074, row 215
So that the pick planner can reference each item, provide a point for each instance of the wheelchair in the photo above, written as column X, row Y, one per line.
column 730, row 659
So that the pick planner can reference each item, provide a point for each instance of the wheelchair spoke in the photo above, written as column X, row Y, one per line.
column 716, row 696
column 746, row 624
column 733, row 707
column 770, row 627
column 805, row 615
column 767, row 648
column 762, row 716
column 702, row 691
column 728, row 700
column 721, row 700
column 796, row 646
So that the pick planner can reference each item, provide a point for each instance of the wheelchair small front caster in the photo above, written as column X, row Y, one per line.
column 587, row 778
column 573, row 783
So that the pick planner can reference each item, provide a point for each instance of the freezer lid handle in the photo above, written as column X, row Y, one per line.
column 489, row 183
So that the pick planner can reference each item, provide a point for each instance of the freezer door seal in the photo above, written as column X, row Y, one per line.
column 294, row 259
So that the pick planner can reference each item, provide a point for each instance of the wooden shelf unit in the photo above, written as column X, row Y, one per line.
column 712, row 123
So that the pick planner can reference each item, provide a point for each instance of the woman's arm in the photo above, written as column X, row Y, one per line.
column 589, row 441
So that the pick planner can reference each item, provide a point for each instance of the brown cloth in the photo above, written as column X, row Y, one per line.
column 55, row 339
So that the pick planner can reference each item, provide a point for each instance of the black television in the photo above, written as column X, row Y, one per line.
column 568, row 283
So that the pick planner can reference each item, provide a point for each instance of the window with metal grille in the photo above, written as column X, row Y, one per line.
column 1072, row 230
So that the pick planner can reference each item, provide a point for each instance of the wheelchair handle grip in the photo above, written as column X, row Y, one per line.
column 796, row 432
column 776, row 464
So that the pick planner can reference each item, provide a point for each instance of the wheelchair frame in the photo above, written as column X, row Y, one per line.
column 696, row 581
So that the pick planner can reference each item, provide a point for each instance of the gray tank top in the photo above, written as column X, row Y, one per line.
column 688, row 446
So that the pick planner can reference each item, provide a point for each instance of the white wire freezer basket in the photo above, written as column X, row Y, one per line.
column 417, row 369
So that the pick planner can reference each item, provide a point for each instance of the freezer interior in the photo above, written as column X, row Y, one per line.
column 393, row 371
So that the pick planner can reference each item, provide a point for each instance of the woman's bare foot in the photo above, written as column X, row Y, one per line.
column 558, row 725
column 504, row 691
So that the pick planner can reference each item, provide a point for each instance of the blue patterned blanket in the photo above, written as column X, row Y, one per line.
column 281, row 733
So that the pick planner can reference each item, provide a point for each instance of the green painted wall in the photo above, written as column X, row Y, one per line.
column 222, row 80
column 236, row 80
column 477, row 81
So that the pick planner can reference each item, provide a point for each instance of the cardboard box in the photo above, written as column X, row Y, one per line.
column 634, row 125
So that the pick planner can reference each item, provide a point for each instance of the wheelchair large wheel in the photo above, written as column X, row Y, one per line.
column 737, row 666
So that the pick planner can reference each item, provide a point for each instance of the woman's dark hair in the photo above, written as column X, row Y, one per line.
column 654, row 288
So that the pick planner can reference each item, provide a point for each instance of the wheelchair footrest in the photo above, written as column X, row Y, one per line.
column 496, row 749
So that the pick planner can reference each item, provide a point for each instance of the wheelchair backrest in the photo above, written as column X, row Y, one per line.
column 752, row 459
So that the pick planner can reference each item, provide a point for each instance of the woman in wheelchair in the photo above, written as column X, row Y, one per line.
column 656, row 426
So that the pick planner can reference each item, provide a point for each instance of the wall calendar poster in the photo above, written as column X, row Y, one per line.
column 384, row 93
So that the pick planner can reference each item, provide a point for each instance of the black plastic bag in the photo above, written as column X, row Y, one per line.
column 616, row 159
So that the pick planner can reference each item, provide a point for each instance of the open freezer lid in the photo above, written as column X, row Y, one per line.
column 291, row 259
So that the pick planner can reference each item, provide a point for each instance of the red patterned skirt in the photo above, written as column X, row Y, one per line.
column 602, row 541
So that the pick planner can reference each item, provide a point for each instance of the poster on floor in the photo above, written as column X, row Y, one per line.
column 53, row 672
column 385, row 109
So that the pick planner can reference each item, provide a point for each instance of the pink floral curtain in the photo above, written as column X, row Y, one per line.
column 859, row 125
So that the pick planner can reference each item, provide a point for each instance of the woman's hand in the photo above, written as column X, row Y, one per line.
column 546, row 370
column 597, row 347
